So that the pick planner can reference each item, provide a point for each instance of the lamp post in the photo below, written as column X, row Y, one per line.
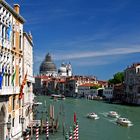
column 22, row 122
column 9, row 127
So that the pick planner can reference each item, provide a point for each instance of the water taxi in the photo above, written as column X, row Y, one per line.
column 113, row 114
column 124, row 122
column 92, row 115
column 57, row 97
column 37, row 103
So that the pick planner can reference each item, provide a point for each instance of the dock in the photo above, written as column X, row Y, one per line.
column 53, row 126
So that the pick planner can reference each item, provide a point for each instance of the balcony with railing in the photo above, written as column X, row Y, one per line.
column 9, row 90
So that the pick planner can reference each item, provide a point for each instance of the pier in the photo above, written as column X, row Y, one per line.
column 42, row 126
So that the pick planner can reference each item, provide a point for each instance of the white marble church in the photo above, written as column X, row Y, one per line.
column 48, row 68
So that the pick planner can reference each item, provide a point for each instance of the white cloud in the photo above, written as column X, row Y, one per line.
column 96, row 62
column 103, row 52
column 75, row 54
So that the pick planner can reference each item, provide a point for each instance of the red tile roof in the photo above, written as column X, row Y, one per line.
column 102, row 82
column 42, row 77
column 88, row 85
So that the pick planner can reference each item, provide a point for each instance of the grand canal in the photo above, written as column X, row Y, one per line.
column 104, row 128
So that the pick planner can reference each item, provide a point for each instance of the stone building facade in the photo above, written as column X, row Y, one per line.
column 132, row 84
column 12, row 71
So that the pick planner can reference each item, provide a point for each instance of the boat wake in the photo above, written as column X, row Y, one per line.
column 106, row 117
column 129, row 125
column 111, row 120
column 96, row 118
column 104, row 114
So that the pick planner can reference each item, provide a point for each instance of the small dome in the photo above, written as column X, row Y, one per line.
column 47, row 65
column 69, row 66
column 62, row 69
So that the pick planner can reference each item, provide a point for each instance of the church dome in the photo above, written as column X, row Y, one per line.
column 47, row 65
column 62, row 69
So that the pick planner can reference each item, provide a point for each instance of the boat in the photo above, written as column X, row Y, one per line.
column 59, row 97
column 124, row 122
column 37, row 103
column 92, row 115
column 113, row 114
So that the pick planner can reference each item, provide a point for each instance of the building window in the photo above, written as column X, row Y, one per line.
column 2, row 31
column 6, row 32
column 19, row 118
column 13, row 122
column 130, row 88
column 19, row 79
column 19, row 103
column 13, row 41
column 20, row 42
column 13, row 102
column 138, row 70
column 8, row 80
column 5, row 79
column 138, row 90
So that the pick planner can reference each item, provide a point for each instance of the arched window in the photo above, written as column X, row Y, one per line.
column 2, row 122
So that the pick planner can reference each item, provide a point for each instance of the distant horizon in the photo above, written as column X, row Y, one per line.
column 99, row 38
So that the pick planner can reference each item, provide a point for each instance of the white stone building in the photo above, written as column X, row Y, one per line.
column 28, row 68
column 11, row 71
column 132, row 84
column 73, row 83
column 108, row 93
column 86, row 90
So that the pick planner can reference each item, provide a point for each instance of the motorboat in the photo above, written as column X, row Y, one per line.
column 92, row 115
column 37, row 103
column 124, row 122
column 113, row 114
column 58, row 97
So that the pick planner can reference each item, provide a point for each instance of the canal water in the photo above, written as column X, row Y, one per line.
column 104, row 128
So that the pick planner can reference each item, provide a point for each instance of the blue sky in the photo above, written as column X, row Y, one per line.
column 98, row 37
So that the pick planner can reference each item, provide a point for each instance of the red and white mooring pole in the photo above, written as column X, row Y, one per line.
column 37, row 132
column 77, row 130
column 27, row 136
column 47, row 129
column 74, row 132
column 70, row 134
column 74, row 126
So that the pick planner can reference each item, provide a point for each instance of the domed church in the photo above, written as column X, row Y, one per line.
column 47, row 67
column 65, row 70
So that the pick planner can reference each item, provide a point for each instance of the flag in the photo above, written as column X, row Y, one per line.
column 22, row 86
column 1, row 77
column 9, row 31
column 13, row 78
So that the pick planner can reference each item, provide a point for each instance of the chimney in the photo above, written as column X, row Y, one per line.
column 30, row 35
column 16, row 8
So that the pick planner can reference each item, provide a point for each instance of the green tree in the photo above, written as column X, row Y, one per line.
column 117, row 78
